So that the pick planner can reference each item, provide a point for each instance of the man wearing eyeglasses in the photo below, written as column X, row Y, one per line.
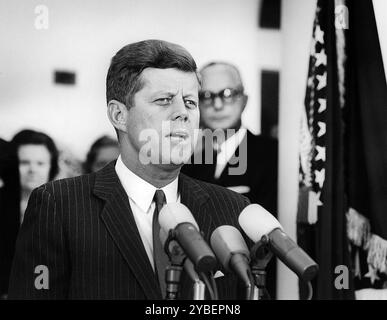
column 222, row 100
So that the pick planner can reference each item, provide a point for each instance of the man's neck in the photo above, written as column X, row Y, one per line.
column 156, row 175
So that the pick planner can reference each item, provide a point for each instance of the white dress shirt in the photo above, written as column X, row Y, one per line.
column 140, row 194
column 226, row 151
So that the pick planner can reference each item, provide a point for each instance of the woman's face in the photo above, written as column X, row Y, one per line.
column 34, row 166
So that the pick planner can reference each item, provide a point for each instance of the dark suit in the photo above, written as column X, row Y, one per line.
column 260, row 177
column 84, row 231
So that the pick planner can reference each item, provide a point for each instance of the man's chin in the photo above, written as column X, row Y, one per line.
column 219, row 125
column 170, row 166
column 178, row 161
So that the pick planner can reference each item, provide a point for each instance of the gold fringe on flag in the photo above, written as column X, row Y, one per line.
column 358, row 228
column 359, row 233
column 377, row 253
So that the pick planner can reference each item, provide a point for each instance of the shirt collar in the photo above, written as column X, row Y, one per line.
column 141, row 191
column 228, row 147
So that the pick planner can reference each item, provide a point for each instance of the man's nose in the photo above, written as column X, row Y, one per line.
column 31, row 168
column 180, row 110
column 218, row 103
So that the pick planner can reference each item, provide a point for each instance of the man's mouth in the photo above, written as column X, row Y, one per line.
column 179, row 135
column 219, row 118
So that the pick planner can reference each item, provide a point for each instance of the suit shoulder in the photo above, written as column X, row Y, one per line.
column 262, row 140
column 258, row 145
column 217, row 192
column 222, row 204
column 66, row 186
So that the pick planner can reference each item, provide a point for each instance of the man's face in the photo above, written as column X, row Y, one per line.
column 34, row 166
column 217, row 112
column 164, row 116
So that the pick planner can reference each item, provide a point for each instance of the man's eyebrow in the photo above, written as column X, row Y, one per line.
column 167, row 92
column 188, row 95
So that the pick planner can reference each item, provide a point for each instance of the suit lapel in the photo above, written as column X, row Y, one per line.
column 194, row 197
column 119, row 221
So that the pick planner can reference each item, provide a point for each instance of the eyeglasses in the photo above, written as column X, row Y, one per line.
column 228, row 95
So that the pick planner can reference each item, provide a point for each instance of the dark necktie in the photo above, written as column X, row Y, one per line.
column 160, row 257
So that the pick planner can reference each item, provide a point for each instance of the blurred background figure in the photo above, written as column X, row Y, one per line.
column 222, row 102
column 69, row 164
column 28, row 161
column 9, row 211
column 102, row 151
column 38, row 162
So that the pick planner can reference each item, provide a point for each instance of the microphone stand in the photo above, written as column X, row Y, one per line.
column 260, row 257
column 174, row 270
column 199, row 287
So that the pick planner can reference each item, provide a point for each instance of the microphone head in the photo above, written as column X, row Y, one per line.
column 257, row 222
column 172, row 214
column 226, row 241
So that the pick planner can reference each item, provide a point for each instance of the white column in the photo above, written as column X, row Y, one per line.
column 380, row 9
column 296, row 24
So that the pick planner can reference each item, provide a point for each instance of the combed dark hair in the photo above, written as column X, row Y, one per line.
column 123, row 78
column 39, row 138
column 104, row 141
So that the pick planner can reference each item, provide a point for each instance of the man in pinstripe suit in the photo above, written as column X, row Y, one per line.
column 90, row 237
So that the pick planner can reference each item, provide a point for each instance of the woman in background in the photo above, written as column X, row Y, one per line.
column 102, row 151
column 9, row 211
column 38, row 162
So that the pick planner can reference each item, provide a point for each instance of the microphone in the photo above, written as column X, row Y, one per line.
column 259, row 224
column 177, row 218
column 231, row 250
column 174, row 248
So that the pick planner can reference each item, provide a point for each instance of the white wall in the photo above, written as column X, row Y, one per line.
column 84, row 35
column 297, row 22
column 380, row 9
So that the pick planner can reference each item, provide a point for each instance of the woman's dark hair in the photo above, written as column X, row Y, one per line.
column 27, row 136
column 104, row 141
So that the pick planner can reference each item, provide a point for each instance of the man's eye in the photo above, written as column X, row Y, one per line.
column 191, row 104
column 164, row 101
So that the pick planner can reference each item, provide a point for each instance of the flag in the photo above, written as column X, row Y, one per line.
column 342, row 220
column 367, row 151
column 322, row 202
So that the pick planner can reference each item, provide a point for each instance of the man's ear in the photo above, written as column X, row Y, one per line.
column 117, row 113
column 244, row 101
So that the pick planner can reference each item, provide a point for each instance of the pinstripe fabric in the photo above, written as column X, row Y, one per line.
column 83, row 230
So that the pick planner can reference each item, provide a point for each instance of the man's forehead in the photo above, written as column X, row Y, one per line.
column 168, row 78
column 220, row 76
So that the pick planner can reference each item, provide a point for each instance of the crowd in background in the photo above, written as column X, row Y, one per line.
column 29, row 160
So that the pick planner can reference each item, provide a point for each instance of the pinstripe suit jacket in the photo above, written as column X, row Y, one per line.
column 84, row 231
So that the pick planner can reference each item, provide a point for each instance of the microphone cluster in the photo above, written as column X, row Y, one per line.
column 186, row 248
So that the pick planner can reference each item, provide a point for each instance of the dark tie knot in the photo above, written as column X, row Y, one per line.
column 159, row 199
